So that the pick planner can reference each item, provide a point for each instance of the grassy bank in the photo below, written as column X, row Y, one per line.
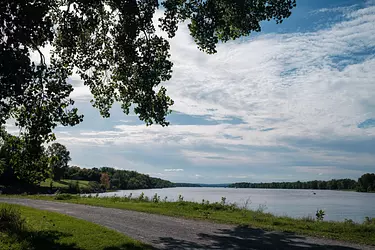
column 64, row 183
column 51, row 187
column 49, row 230
column 227, row 213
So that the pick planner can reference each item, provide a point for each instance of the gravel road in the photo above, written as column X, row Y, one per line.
column 164, row 232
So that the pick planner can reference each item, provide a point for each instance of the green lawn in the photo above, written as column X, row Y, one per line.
column 346, row 231
column 49, row 230
column 64, row 183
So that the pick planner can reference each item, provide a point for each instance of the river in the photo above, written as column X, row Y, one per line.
column 338, row 205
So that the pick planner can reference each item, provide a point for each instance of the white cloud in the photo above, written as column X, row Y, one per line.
column 173, row 170
column 316, row 85
column 325, row 170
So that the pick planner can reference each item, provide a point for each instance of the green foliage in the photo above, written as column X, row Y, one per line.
column 350, row 221
column 180, row 198
column 94, row 186
column 340, row 184
column 63, row 197
column 22, row 162
column 118, row 179
column 369, row 221
column 366, row 183
column 223, row 200
column 320, row 215
column 11, row 220
column 59, row 158
column 73, row 187
column 114, row 48
column 156, row 198
column 141, row 197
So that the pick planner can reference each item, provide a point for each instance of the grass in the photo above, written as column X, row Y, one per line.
column 49, row 230
column 231, row 214
column 64, row 183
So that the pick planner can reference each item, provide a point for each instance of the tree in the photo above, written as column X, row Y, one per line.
column 104, row 180
column 113, row 46
column 366, row 182
column 20, row 161
column 59, row 159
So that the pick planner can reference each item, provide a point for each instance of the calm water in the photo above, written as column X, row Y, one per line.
column 338, row 205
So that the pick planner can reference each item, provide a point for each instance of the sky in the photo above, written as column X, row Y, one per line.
column 293, row 102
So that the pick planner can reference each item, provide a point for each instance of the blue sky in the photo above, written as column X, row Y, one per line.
column 294, row 102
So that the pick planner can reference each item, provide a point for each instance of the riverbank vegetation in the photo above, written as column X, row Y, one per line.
column 238, row 214
column 49, row 172
column 28, row 228
column 366, row 183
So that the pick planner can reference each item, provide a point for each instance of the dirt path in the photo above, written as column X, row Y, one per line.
column 174, row 233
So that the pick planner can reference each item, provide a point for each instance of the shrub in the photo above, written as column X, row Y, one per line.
column 94, row 186
column 223, row 200
column 320, row 215
column 141, row 197
column 262, row 208
column 349, row 221
column 11, row 220
column 369, row 221
column 74, row 187
column 180, row 198
column 64, row 197
column 156, row 198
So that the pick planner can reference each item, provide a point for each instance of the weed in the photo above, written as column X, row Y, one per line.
column 262, row 208
column 223, row 200
column 320, row 215
column 156, row 198
column 349, row 221
column 180, row 198
column 369, row 221
column 11, row 220
column 141, row 197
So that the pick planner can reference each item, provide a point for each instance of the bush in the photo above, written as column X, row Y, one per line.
column 320, row 215
column 94, row 186
column 156, row 198
column 180, row 198
column 64, row 197
column 369, row 221
column 11, row 220
column 141, row 197
column 73, row 187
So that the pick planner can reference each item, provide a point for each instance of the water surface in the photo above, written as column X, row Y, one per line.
column 338, row 205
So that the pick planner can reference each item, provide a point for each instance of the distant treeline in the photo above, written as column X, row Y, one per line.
column 117, row 179
column 186, row 185
column 366, row 183
column 199, row 185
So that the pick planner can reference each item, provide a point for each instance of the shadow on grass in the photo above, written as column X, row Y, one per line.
column 42, row 240
column 246, row 238
column 130, row 247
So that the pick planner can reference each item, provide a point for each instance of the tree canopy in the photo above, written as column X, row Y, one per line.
column 115, row 49
column 59, row 159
